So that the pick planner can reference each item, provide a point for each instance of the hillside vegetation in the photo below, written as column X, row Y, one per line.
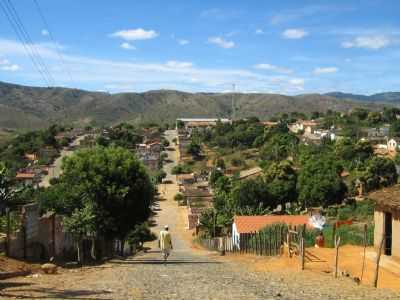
column 35, row 107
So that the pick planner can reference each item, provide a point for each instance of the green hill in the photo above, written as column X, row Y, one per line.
column 35, row 107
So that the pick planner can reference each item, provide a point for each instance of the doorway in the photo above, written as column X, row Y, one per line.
column 388, row 233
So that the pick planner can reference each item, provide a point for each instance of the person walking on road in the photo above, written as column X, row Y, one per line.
column 165, row 242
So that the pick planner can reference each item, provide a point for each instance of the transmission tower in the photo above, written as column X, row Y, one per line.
column 233, row 102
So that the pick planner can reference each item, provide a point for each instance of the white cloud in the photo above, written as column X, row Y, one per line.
column 11, row 68
column 369, row 42
column 120, row 75
column 127, row 46
column 260, row 31
column 44, row 32
column 325, row 70
column 221, row 42
column 178, row 64
column 135, row 34
column 294, row 33
column 6, row 65
column 4, row 62
column 183, row 42
column 273, row 68
column 297, row 82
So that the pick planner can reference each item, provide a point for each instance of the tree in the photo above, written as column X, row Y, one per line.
column 7, row 192
column 251, row 193
column 281, row 180
column 141, row 234
column 394, row 130
column 319, row 182
column 214, row 176
column 279, row 146
column 115, row 184
column 80, row 224
column 220, row 164
column 379, row 172
column 352, row 153
column 180, row 124
column 193, row 149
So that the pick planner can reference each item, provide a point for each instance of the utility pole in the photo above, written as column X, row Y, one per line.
column 233, row 102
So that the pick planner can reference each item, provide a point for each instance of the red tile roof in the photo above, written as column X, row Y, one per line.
column 247, row 224
column 25, row 176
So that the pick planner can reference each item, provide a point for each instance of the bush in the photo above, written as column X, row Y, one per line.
column 140, row 235
column 178, row 197
column 165, row 143
column 345, row 213
column 181, row 169
column 236, row 162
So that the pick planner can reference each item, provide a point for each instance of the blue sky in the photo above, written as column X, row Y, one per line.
column 288, row 47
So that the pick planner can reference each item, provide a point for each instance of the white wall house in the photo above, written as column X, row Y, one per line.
column 392, row 145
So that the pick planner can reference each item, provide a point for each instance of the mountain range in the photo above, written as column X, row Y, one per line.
column 24, row 107
column 389, row 97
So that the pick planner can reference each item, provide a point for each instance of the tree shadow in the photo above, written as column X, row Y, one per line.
column 51, row 293
column 162, row 262
column 7, row 284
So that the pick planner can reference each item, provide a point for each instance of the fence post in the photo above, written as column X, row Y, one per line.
column 302, row 247
column 337, row 244
column 365, row 249
column 378, row 258
column 8, row 231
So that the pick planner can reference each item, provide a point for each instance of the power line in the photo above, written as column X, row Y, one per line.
column 58, row 50
column 26, row 47
column 24, row 37
column 29, row 41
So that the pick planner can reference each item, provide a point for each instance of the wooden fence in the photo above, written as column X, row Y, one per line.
column 268, row 242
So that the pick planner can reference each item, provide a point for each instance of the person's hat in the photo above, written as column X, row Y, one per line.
column 166, row 226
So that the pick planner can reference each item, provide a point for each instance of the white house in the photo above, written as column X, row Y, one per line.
column 392, row 145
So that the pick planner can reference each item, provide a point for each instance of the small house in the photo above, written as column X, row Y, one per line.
column 27, row 179
column 392, row 145
column 185, row 179
column 251, row 224
column 387, row 219
column 304, row 125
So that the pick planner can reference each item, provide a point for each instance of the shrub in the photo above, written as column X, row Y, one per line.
column 236, row 162
column 345, row 213
column 181, row 169
column 178, row 197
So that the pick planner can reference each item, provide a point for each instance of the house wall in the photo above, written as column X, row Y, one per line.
column 396, row 235
column 379, row 218
column 378, row 231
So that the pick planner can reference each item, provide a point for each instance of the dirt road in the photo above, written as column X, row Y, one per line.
column 188, row 274
column 55, row 170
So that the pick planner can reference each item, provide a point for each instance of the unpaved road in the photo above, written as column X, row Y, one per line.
column 55, row 170
column 189, row 274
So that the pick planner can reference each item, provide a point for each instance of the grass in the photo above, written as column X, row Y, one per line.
column 5, row 137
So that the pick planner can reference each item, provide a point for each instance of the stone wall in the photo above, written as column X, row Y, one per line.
column 39, row 238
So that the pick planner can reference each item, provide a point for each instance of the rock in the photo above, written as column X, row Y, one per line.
column 49, row 268
column 357, row 280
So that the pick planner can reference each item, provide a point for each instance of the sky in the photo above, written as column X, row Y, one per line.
column 286, row 47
